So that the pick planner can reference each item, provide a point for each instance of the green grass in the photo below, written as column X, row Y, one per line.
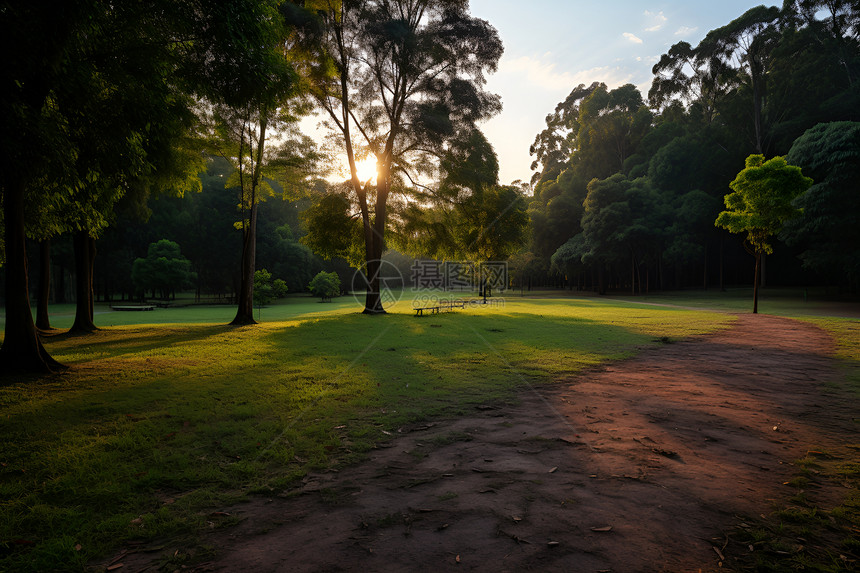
column 156, row 425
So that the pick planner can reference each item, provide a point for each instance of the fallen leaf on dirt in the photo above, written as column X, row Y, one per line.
column 553, row 543
column 605, row 529
column 457, row 559
column 516, row 519
column 115, row 566
column 553, row 470
column 441, row 527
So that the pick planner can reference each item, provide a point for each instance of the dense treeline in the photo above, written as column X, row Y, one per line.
column 203, row 225
column 626, row 191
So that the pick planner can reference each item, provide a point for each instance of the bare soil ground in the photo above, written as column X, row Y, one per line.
column 642, row 466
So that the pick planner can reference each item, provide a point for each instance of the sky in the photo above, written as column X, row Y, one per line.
column 552, row 46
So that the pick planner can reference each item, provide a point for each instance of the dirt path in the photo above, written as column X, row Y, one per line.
column 638, row 467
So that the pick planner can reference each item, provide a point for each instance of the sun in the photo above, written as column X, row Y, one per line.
column 366, row 169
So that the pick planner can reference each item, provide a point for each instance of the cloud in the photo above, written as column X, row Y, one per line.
column 685, row 31
column 632, row 38
column 658, row 21
column 530, row 73
column 538, row 73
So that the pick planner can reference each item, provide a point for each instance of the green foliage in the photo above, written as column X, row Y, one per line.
column 332, row 229
column 830, row 226
column 164, row 270
column 761, row 201
column 265, row 289
column 470, row 216
column 325, row 285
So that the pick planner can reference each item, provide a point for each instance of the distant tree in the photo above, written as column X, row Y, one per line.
column 266, row 290
column 325, row 285
column 163, row 271
column 760, row 204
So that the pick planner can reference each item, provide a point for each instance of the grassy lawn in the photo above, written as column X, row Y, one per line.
column 156, row 425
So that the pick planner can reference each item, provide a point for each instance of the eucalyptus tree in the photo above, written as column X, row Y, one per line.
column 402, row 78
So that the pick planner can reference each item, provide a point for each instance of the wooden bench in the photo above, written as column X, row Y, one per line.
column 446, row 305
column 134, row 307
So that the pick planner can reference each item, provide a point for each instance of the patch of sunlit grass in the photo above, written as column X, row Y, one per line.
column 153, row 424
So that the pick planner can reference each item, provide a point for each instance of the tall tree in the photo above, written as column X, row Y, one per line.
column 60, row 64
column 402, row 78
column 746, row 44
column 760, row 204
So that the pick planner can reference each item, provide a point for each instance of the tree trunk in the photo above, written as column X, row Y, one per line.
column 632, row 275
column 245, row 296
column 722, row 254
column 22, row 351
column 43, row 319
column 755, row 281
column 85, row 252
column 373, row 298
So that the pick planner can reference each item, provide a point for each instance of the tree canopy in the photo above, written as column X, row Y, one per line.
column 401, row 81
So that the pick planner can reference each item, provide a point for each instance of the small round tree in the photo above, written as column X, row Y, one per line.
column 163, row 270
column 266, row 290
column 325, row 285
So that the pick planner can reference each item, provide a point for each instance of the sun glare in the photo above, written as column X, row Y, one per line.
column 366, row 169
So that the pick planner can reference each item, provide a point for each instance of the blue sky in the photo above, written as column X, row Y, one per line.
column 551, row 46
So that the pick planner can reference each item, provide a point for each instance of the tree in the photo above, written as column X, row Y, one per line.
column 325, row 285
column 469, row 216
column 830, row 226
column 402, row 79
column 748, row 42
column 258, row 137
column 163, row 271
column 266, row 289
column 760, row 204
column 64, row 64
